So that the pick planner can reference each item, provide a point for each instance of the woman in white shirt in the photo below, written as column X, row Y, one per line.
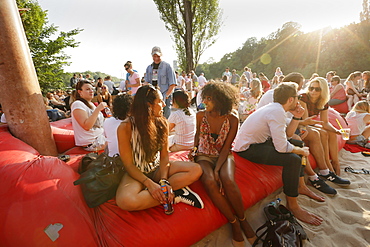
column 358, row 120
column 182, row 121
column 87, row 120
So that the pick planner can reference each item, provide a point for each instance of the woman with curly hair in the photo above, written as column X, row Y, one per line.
column 143, row 147
column 216, row 130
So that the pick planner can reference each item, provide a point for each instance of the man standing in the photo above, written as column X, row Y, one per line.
column 109, row 84
column 74, row 81
column 263, row 139
column 160, row 74
column 202, row 80
column 234, row 77
column 226, row 74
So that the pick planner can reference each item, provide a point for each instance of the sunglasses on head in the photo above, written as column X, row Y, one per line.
column 150, row 86
column 317, row 89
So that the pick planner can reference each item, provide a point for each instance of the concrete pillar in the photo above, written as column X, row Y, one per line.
column 20, row 94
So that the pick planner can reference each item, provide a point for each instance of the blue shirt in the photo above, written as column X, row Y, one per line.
column 166, row 76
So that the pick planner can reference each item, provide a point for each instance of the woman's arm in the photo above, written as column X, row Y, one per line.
column 367, row 119
column 199, row 118
column 110, row 100
column 350, row 85
column 171, row 126
column 335, row 90
column 326, row 124
column 85, row 121
column 164, row 161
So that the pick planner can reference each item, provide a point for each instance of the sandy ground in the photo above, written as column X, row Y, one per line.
column 346, row 215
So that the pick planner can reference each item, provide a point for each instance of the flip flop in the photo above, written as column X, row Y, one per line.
column 365, row 153
column 358, row 171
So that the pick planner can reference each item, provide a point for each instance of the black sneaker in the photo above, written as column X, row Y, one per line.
column 323, row 187
column 332, row 177
column 187, row 196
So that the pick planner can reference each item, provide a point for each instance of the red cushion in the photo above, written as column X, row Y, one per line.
column 342, row 107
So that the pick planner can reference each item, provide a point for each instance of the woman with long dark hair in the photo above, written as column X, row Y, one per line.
column 143, row 147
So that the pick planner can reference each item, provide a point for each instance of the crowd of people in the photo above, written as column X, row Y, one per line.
column 270, row 122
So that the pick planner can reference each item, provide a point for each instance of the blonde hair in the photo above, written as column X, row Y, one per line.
column 361, row 107
column 325, row 95
column 256, row 88
column 353, row 75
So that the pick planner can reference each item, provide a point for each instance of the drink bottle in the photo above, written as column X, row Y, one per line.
column 168, row 208
column 107, row 112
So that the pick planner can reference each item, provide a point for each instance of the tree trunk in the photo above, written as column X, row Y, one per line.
column 188, row 36
column 20, row 93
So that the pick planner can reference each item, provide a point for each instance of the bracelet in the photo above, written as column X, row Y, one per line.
column 144, row 180
column 295, row 118
column 165, row 181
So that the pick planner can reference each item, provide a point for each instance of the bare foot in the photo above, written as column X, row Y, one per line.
column 306, row 216
column 304, row 190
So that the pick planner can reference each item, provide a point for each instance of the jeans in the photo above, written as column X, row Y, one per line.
column 265, row 153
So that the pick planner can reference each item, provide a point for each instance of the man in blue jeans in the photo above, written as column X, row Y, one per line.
column 263, row 139
column 160, row 74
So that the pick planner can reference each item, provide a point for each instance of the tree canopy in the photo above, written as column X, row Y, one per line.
column 343, row 50
column 46, row 44
column 194, row 25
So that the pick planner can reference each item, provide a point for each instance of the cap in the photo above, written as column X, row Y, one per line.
column 156, row 50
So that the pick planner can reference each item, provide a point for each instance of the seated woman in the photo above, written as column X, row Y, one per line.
column 264, row 81
column 216, row 130
column 315, row 103
column 249, row 99
column 87, row 120
column 105, row 96
column 337, row 93
column 143, row 147
column 55, row 103
column 121, row 108
column 358, row 120
column 366, row 79
column 182, row 121
column 352, row 88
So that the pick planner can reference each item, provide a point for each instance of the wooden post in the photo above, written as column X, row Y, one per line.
column 20, row 94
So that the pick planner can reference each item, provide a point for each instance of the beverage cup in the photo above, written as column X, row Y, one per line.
column 345, row 133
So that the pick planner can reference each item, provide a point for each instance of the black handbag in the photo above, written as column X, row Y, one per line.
column 100, row 177
column 281, row 228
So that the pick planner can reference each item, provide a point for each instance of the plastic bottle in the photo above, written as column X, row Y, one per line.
column 107, row 112
column 168, row 209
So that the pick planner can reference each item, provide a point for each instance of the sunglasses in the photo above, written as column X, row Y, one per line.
column 150, row 86
column 317, row 89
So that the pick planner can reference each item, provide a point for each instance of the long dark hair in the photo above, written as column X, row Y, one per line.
column 182, row 100
column 79, row 87
column 153, row 130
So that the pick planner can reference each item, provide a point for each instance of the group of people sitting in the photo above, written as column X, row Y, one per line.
column 282, row 129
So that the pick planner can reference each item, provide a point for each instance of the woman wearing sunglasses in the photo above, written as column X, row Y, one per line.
column 105, row 96
column 315, row 101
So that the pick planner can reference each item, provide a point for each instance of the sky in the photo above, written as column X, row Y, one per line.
column 116, row 31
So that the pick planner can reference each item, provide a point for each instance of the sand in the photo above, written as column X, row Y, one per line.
column 346, row 215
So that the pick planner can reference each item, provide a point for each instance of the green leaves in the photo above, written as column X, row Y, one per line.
column 46, row 45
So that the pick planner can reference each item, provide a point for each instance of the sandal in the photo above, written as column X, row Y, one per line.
column 360, row 171
column 365, row 153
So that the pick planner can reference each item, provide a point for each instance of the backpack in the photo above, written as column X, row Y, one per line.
column 281, row 228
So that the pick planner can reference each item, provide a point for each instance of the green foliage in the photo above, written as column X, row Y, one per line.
column 343, row 50
column 194, row 25
column 47, row 53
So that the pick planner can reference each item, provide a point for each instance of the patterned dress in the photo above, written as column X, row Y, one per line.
column 138, row 153
column 208, row 145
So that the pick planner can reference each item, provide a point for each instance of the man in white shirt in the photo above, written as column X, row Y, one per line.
column 311, row 139
column 263, row 139
column 202, row 80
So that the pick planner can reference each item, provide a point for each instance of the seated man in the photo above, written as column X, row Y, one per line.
column 311, row 138
column 262, row 139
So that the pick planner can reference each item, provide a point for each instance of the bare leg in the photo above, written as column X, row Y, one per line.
column 325, row 143
column 313, row 140
column 131, row 195
column 366, row 132
column 333, row 150
column 301, row 214
column 350, row 101
column 234, row 197
column 213, row 190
